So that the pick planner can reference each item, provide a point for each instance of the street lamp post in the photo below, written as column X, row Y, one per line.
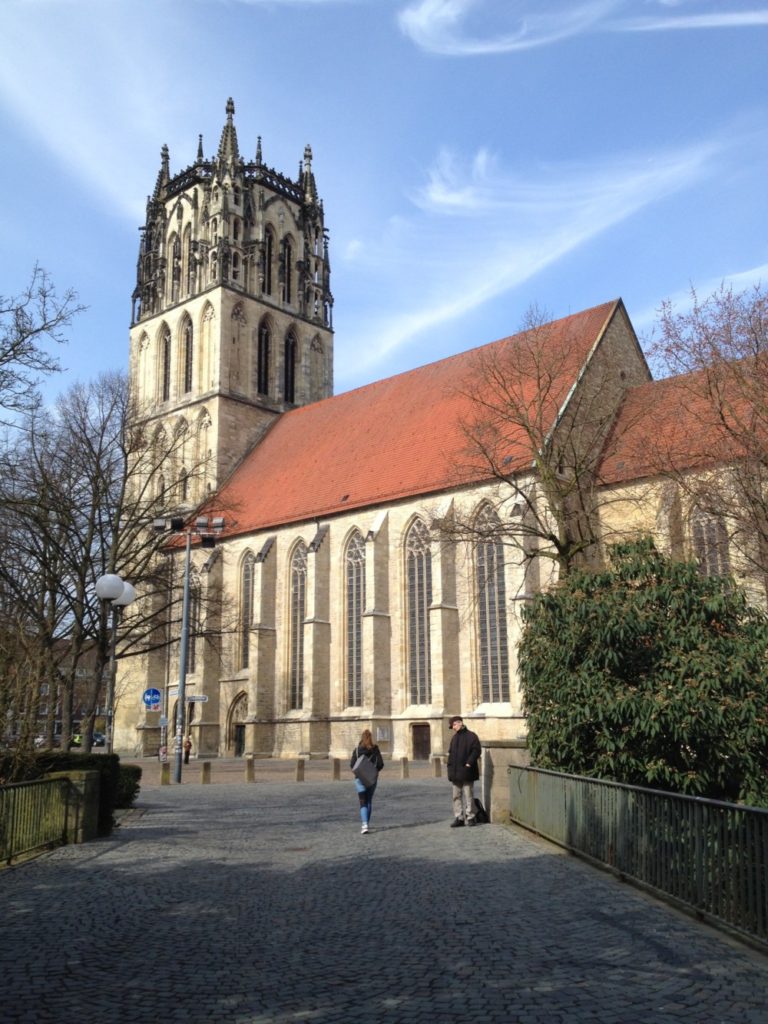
column 207, row 530
column 114, row 589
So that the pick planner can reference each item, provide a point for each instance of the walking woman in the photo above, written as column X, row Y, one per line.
column 366, row 775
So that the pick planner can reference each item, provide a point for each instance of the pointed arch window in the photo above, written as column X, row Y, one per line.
column 269, row 256
column 419, row 598
column 262, row 374
column 287, row 271
column 289, row 390
column 188, row 343
column 493, row 641
column 298, row 611
column 355, row 606
column 246, row 608
column 710, row 544
column 183, row 486
column 194, row 623
column 165, row 365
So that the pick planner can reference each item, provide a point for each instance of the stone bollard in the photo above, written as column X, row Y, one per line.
column 437, row 767
column 404, row 770
column 205, row 773
column 250, row 775
column 165, row 773
column 300, row 770
column 335, row 769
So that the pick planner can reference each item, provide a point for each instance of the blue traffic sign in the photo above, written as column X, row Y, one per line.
column 152, row 699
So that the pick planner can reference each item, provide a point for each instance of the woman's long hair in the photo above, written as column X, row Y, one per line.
column 366, row 739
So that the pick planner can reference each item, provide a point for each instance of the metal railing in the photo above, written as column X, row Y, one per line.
column 33, row 816
column 707, row 855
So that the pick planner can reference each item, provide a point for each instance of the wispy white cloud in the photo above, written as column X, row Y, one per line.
column 475, row 27
column 440, row 26
column 513, row 227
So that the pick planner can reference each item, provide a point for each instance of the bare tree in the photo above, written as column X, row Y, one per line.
column 81, row 489
column 718, row 347
column 541, row 405
column 28, row 322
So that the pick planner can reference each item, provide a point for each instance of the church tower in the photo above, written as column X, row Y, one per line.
column 232, row 312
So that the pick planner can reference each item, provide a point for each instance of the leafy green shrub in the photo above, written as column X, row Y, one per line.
column 128, row 785
column 651, row 674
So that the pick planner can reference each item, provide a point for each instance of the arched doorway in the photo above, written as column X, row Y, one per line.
column 236, row 730
column 421, row 741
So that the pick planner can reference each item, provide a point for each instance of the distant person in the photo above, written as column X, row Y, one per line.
column 366, row 776
column 463, row 771
column 187, row 749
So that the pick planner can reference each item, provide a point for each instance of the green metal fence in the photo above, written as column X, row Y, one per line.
column 705, row 854
column 33, row 815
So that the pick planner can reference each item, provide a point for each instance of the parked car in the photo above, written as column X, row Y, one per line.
column 99, row 739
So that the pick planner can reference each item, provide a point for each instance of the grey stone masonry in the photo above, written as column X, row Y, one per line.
column 261, row 903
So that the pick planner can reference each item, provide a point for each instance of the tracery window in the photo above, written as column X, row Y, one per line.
column 262, row 371
column 289, row 391
column 493, row 642
column 194, row 623
column 187, row 340
column 710, row 544
column 269, row 256
column 355, row 606
column 419, row 599
column 298, row 607
column 246, row 608
column 287, row 271
column 165, row 365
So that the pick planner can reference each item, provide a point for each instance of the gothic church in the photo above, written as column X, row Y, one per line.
column 348, row 606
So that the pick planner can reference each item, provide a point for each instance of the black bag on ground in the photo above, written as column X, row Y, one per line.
column 481, row 815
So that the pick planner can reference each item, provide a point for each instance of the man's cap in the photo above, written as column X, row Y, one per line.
column 454, row 718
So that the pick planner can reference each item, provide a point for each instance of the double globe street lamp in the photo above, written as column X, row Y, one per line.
column 113, row 588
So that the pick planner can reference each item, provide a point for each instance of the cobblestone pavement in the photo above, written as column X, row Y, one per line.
column 263, row 904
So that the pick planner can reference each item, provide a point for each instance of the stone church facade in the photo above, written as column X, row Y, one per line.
column 340, row 603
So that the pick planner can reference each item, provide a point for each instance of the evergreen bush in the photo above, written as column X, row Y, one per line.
column 652, row 674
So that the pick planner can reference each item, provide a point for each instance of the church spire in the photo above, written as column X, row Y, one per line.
column 164, row 174
column 307, row 177
column 200, row 156
column 228, row 148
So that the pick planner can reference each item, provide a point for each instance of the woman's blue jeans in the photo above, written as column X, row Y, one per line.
column 365, row 795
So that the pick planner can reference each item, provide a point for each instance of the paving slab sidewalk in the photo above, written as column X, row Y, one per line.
column 263, row 904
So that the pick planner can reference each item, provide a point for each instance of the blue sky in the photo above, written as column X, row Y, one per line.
column 474, row 156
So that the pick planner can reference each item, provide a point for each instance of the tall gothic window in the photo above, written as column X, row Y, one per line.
column 269, row 257
column 419, row 598
column 493, row 646
column 710, row 544
column 355, row 606
column 298, row 614
column 246, row 609
column 287, row 271
column 194, row 624
column 187, row 340
column 262, row 374
column 289, row 391
column 165, row 365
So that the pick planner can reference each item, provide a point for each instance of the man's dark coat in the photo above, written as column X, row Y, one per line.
column 463, row 755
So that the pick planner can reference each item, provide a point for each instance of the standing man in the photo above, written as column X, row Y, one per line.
column 463, row 770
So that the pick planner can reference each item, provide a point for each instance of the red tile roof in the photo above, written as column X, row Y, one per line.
column 397, row 438
column 673, row 425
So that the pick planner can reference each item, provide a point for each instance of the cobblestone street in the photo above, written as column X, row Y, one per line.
column 262, row 903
